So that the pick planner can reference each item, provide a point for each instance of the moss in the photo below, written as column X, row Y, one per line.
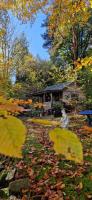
column 42, row 172
column 3, row 195
column 87, row 184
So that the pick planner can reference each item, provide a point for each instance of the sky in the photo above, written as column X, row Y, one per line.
column 33, row 34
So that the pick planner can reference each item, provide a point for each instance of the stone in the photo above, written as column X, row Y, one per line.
column 12, row 197
column 10, row 174
column 4, row 193
column 15, row 187
column 3, row 182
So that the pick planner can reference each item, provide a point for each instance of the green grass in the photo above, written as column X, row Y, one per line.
column 88, row 158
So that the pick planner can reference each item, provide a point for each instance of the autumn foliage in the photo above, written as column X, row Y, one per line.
column 84, row 62
column 12, row 136
column 65, row 142
column 12, row 130
column 64, row 16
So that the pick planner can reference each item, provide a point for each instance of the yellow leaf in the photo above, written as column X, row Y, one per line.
column 3, row 113
column 12, row 136
column 80, row 185
column 44, row 122
column 85, row 62
column 91, row 3
column 67, row 143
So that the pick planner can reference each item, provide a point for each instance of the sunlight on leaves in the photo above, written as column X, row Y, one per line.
column 87, row 128
column 68, row 144
column 85, row 62
column 44, row 122
column 12, row 136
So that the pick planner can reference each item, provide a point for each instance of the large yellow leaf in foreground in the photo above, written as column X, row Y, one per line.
column 67, row 143
column 44, row 122
column 12, row 136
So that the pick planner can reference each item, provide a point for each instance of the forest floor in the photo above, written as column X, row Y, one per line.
column 44, row 175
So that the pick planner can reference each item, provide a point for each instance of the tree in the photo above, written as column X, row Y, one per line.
column 6, row 31
column 5, row 40
column 85, row 80
column 61, row 51
column 25, row 10
column 48, row 73
column 64, row 54
column 66, row 18
column 26, row 80
column 19, row 51
column 48, row 40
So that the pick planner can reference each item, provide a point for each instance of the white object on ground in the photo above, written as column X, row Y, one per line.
column 64, row 119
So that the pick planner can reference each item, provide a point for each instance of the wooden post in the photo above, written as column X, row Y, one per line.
column 44, row 98
column 51, row 99
column 39, row 99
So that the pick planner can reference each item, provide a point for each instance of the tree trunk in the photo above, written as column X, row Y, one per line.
column 74, row 45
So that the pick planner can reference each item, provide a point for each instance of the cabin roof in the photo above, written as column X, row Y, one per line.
column 54, row 88
column 57, row 87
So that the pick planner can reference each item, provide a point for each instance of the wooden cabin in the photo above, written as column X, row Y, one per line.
column 58, row 93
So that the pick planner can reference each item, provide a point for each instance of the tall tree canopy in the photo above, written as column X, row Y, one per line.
column 25, row 10
column 19, row 51
column 63, row 53
column 64, row 16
